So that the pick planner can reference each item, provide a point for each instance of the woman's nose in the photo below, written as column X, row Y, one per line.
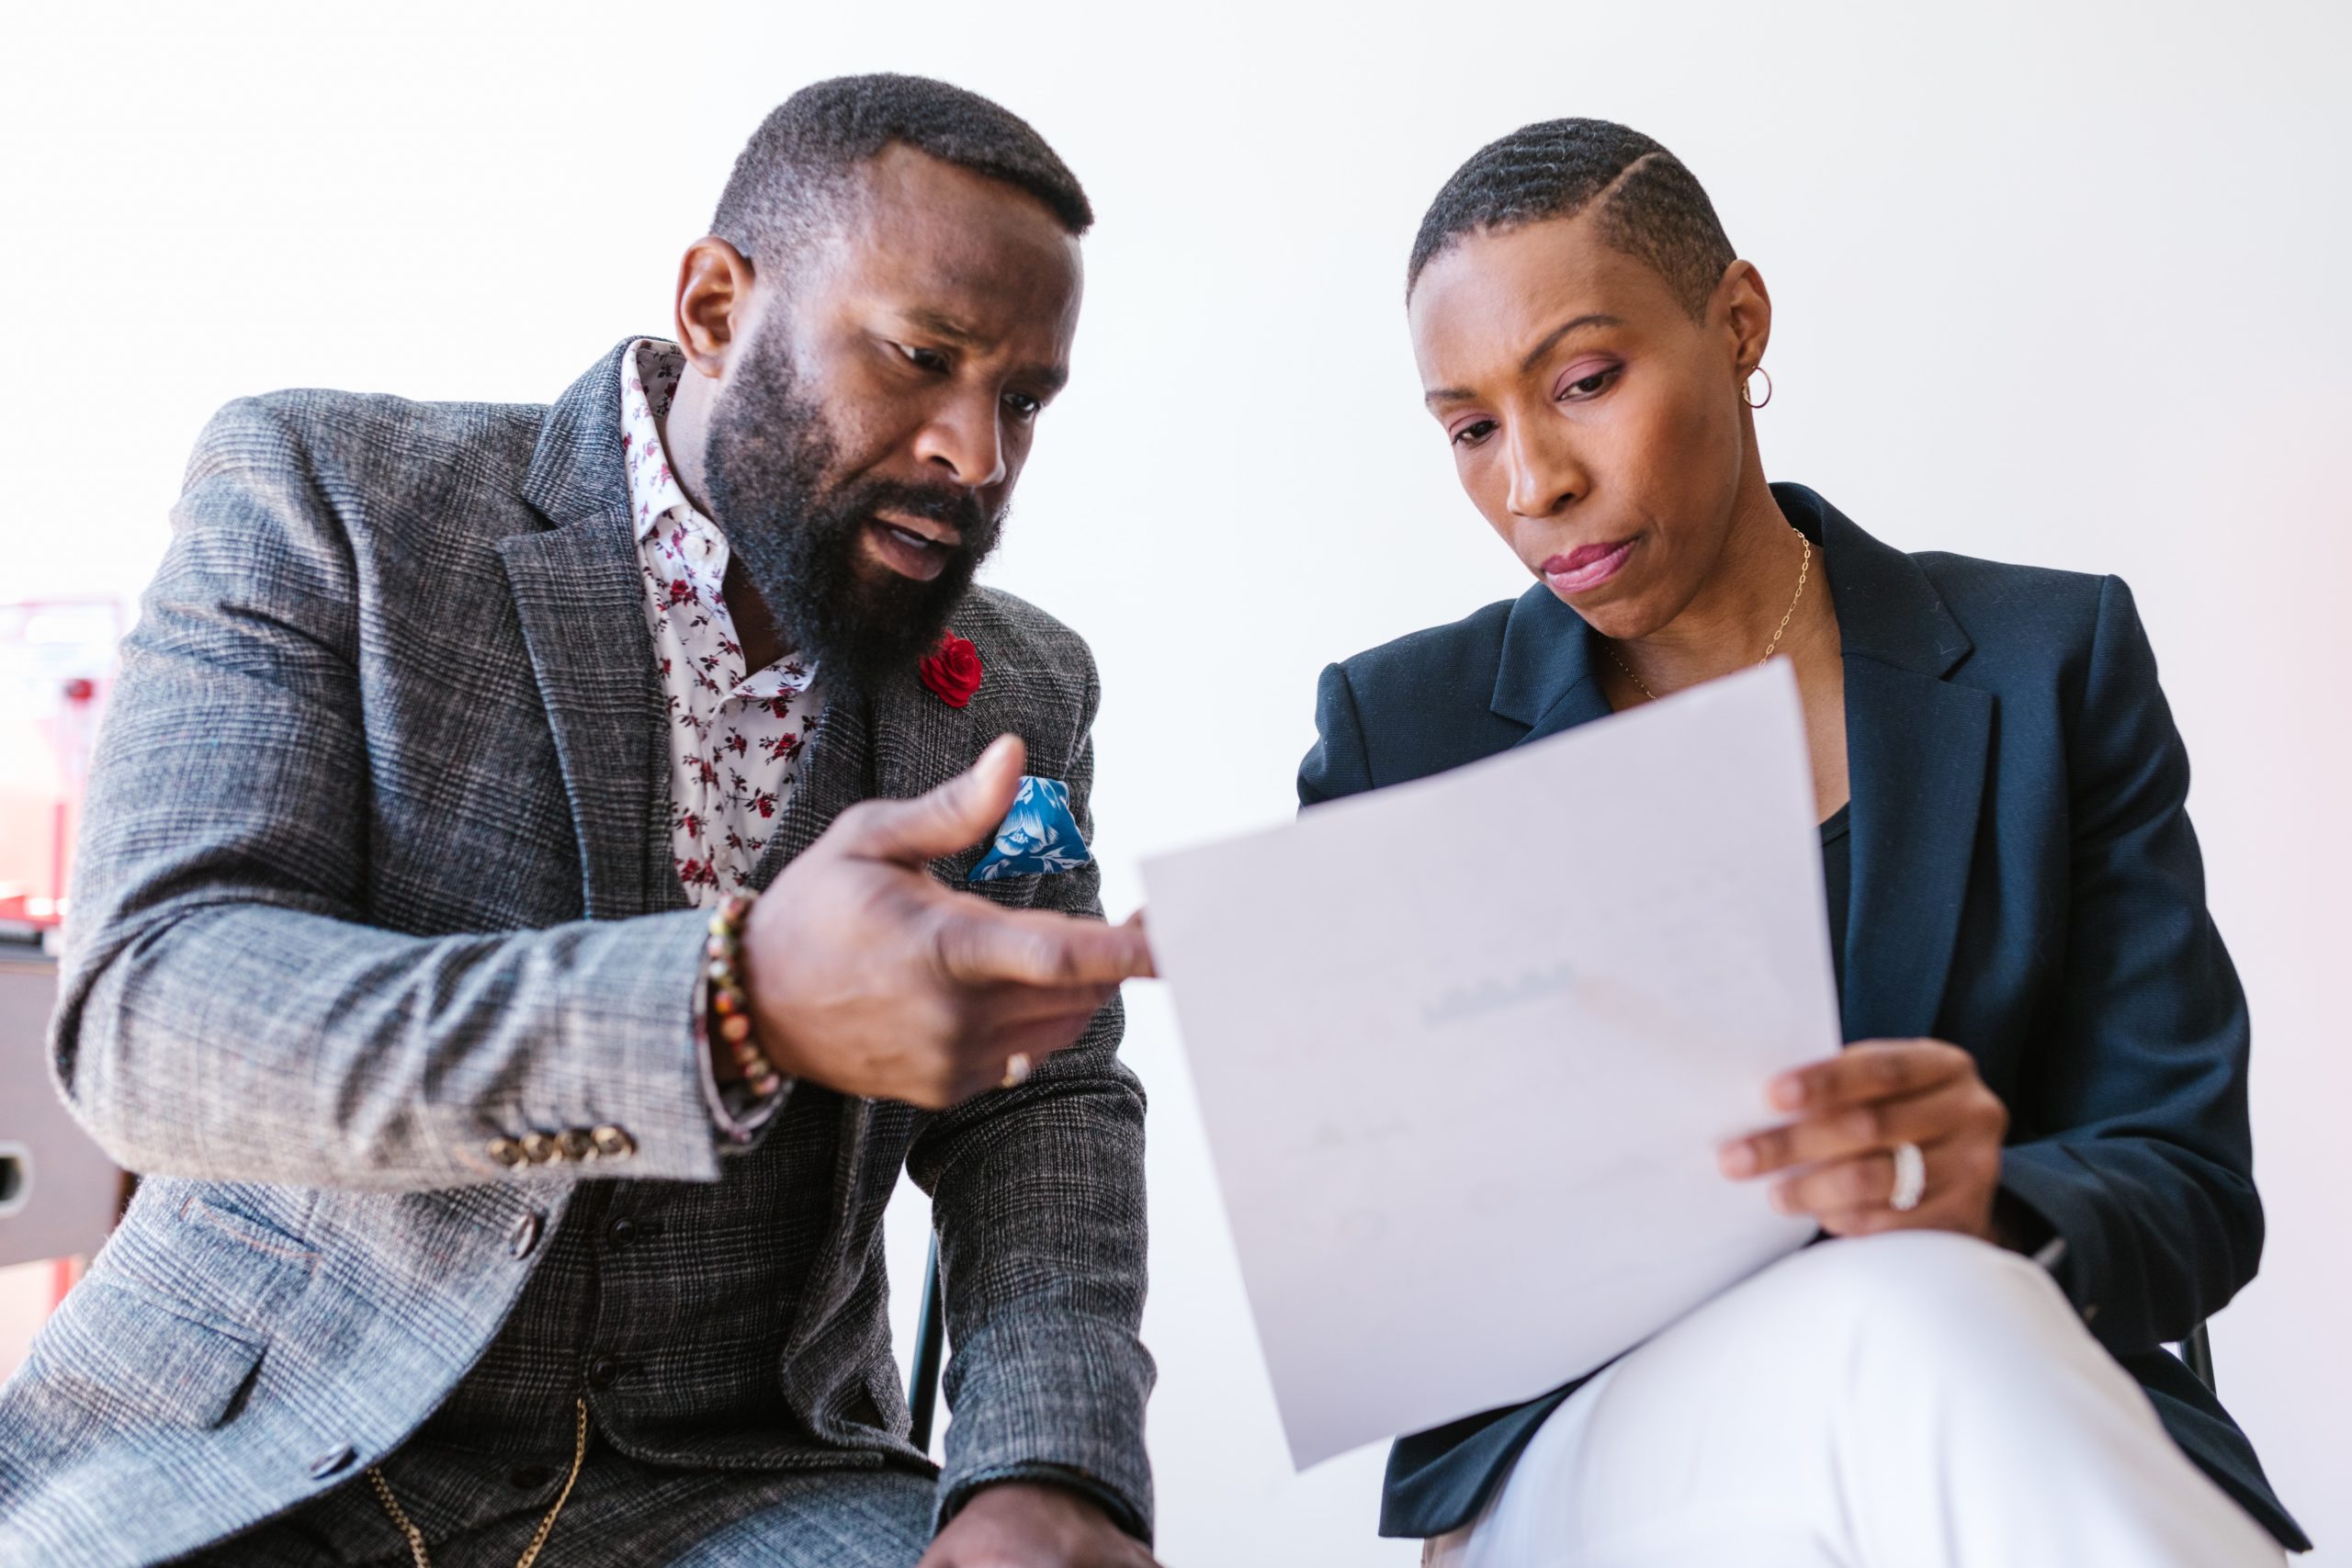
column 1545, row 475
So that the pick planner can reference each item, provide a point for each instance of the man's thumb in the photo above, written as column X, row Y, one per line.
column 954, row 816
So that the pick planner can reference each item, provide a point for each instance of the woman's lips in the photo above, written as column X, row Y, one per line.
column 1587, row 567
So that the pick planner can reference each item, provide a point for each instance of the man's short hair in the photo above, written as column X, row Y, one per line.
column 1652, row 209
column 793, row 176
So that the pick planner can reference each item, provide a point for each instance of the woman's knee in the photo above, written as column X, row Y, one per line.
column 1938, row 1286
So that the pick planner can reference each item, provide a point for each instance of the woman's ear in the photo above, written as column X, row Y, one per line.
column 1745, row 311
column 714, row 302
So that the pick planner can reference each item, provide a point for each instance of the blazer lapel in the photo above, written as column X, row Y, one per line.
column 838, row 775
column 579, row 594
column 1546, row 679
column 1916, row 747
column 896, row 744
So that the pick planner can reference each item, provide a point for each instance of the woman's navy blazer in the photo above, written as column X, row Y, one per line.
column 2025, row 885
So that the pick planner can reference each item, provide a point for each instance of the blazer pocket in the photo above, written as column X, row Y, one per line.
column 196, row 1209
column 1018, row 891
column 195, row 1250
column 134, row 1359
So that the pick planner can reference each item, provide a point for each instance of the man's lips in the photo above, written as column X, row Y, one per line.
column 1587, row 567
column 910, row 553
column 924, row 530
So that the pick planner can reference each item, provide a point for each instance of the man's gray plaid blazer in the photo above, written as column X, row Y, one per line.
column 376, row 873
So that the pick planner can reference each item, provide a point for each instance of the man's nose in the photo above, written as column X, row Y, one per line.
column 1545, row 475
column 964, row 437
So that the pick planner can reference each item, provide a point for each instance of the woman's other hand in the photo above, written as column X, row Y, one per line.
column 1837, row 1159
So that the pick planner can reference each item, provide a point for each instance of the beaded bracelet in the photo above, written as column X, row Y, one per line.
column 730, row 1008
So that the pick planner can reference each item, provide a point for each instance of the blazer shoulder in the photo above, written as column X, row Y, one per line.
column 1437, row 667
column 2020, row 615
column 369, row 461
column 1412, row 706
column 1043, row 658
column 1019, row 627
column 366, row 435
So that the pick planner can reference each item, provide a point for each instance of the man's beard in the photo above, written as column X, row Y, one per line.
column 800, row 536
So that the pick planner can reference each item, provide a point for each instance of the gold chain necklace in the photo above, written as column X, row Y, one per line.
column 415, row 1537
column 1804, row 568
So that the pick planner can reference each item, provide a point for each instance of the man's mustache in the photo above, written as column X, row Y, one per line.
column 957, row 509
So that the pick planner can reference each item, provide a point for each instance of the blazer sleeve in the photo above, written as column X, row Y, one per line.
column 1038, row 1202
column 2134, row 1140
column 226, row 1010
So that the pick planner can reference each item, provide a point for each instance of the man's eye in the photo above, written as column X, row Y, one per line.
column 1470, row 434
column 923, row 358
column 1022, row 405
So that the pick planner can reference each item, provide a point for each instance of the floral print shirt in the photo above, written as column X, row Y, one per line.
column 737, row 739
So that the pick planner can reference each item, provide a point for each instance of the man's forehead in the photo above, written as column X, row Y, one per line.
column 902, row 196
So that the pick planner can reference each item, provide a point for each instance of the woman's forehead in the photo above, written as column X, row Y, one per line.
column 1481, row 305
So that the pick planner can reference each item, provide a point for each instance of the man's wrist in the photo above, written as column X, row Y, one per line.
column 742, row 1088
column 729, row 1000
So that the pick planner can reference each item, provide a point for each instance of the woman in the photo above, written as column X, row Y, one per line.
column 2033, row 1161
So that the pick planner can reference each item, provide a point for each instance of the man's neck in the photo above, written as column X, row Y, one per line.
column 685, row 441
column 685, row 435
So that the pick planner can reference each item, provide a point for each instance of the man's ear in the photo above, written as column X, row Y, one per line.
column 1746, row 312
column 713, row 308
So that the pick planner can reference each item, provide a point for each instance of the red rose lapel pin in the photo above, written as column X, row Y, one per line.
column 952, row 670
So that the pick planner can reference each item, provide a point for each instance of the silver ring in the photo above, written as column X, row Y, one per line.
column 1016, row 1070
column 1910, row 1178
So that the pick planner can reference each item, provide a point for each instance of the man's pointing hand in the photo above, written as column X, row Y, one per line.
column 869, row 976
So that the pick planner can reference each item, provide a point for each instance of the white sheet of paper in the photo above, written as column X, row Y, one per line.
column 1466, row 1049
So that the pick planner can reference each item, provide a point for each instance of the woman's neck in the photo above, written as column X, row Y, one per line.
column 1749, row 599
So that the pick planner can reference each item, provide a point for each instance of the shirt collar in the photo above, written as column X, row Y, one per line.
column 650, row 374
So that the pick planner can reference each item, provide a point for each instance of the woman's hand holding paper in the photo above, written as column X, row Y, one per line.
column 1837, row 1160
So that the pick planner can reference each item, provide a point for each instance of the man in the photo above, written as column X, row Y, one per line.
column 511, row 1186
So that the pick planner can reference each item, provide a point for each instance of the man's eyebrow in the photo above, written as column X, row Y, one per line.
column 1590, row 318
column 1047, row 379
column 948, row 327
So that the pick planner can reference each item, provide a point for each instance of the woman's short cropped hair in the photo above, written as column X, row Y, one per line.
column 1650, row 207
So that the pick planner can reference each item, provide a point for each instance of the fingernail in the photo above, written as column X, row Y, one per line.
column 1786, row 1093
column 1738, row 1159
column 1783, row 1201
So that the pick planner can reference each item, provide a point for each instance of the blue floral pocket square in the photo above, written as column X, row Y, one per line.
column 1038, row 836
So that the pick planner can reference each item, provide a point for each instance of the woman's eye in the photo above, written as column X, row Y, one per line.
column 1470, row 434
column 923, row 358
column 1589, row 386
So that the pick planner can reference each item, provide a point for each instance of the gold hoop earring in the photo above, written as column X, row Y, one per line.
column 1746, row 390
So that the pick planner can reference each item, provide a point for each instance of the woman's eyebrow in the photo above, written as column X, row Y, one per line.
column 1591, row 319
column 1575, row 324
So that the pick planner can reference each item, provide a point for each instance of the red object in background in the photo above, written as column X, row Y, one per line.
column 57, row 661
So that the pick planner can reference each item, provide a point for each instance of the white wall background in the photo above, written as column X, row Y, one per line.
column 2056, row 283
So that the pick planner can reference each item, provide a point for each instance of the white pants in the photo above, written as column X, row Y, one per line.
column 1912, row 1399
